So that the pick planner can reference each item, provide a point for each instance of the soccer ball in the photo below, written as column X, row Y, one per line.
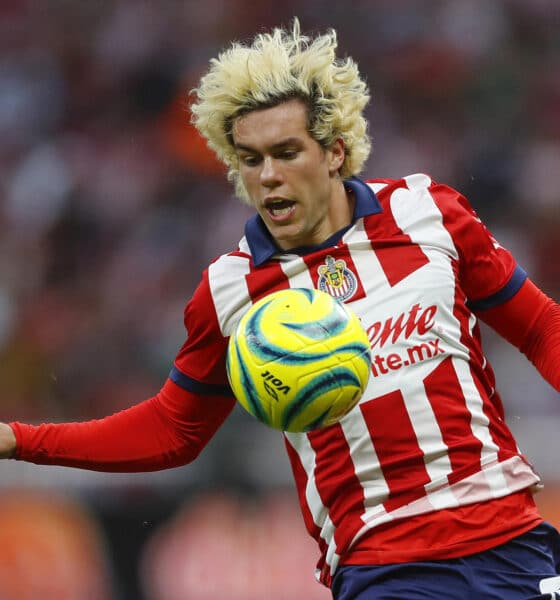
column 298, row 360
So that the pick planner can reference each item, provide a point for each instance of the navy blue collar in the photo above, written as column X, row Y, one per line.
column 262, row 244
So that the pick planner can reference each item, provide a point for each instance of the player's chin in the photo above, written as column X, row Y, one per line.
column 286, row 236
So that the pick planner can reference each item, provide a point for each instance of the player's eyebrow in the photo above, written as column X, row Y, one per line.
column 291, row 141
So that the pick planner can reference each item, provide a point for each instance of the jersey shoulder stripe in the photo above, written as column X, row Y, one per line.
column 197, row 387
column 508, row 291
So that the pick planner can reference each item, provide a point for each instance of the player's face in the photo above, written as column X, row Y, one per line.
column 291, row 180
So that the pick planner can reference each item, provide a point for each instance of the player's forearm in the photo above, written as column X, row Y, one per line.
column 542, row 344
column 125, row 441
column 150, row 436
column 531, row 322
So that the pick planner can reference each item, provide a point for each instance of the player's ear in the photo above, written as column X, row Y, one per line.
column 336, row 155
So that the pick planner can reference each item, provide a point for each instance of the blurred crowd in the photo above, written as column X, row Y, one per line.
column 111, row 205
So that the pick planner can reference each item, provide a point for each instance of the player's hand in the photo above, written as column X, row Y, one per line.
column 7, row 441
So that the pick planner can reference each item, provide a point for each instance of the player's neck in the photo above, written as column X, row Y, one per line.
column 342, row 206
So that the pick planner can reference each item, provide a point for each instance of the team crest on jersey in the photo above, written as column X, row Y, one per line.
column 337, row 279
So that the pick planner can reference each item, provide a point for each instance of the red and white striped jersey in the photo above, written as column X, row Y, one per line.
column 429, row 432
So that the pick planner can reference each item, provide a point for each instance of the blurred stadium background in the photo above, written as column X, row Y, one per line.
column 110, row 207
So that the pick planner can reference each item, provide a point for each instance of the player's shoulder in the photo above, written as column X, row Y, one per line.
column 415, row 181
column 415, row 184
column 232, row 261
column 221, row 279
column 415, row 188
column 229, row 267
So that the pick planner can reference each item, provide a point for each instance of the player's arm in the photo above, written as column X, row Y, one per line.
column 165, row 431
column 498, row 290
column 530, row 320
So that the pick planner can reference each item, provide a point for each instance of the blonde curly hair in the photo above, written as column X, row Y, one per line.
column 276, row 67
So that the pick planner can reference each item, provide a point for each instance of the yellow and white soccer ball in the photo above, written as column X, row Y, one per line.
column 298, row 360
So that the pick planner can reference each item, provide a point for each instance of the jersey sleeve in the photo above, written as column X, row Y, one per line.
column 488, row 273
column 168, row 430
column 200, row 365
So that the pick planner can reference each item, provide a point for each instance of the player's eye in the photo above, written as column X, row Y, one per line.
column 249, row 160
column 288, row 154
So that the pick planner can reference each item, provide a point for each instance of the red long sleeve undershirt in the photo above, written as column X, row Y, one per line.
column 171, row 429
column 168, row 430
column 531, row 322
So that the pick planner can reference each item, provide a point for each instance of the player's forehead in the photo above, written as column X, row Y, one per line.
column 283, row 124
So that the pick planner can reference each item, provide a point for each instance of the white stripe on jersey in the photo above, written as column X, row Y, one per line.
column 296, row 272
column 229, row 290
column 366, row 462
column 300, row 443
column 416, row 206
column 244, row 246
column 444, row 498
column 497, row 482
column 367, row 263
column 430, row 440
column 479, row 420
column 377, row 187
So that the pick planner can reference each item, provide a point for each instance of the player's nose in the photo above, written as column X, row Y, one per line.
column 270, row 172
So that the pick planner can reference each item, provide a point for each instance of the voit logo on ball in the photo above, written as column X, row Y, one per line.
column 336, row 279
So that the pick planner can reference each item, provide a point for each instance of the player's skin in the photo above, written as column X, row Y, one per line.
column 292, row 182
column 7, row 441
column 282, row 165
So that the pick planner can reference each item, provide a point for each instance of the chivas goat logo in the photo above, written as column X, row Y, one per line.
column 336, row 279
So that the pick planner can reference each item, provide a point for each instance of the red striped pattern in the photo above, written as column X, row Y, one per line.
column 334, row 471
column 398, row 256
column 453, row 418
column 265, row 280
column 398, row 451
column 387, row 449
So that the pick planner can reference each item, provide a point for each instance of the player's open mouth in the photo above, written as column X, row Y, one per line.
column 279, row 208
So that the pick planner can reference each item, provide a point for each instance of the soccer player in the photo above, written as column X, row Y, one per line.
column 421, row 491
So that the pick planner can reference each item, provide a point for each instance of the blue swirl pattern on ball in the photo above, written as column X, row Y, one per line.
column 250, row 391
column 329, row 380
column 298, row 360
column 265, row 349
